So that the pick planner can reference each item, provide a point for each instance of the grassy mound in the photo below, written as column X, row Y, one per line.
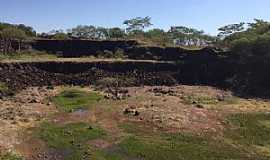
column 73, row 99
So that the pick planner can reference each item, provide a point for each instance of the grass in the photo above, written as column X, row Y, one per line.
column 70, row 138
column 28, row 55
column 147, row 145
column 207, row 100
column 140, row 141
column 191, row 99
column 250, row 129
column 10, row 156
column 178, row 147
column 71, row 100
column 5, row 90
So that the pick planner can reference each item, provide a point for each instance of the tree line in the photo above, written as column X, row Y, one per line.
column 246, row 39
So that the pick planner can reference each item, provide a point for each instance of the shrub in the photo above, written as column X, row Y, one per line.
column 119, row 53
column 242, row 47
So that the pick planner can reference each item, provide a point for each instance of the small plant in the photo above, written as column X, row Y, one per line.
column 10, row 156
column 5, row 90
column 107, row 82
column 108, row 54
column 119, row 54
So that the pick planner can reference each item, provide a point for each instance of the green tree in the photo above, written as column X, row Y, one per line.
column 83, row 32
column 157, row 36
column 186, row 36
column 56, row 34
column 61, row 36
column 101, row 33
column 89, row 32
column 11, row 34
column 254, row 41
column 116, row 33
column 231, row 29
column 29, row 31
column 137, row 24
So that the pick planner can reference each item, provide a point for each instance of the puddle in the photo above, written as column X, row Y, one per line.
column 77, row 116
column 80, row 112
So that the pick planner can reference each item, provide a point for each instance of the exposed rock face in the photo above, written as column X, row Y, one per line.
column 251, row 78
column 131, row 49
column 78, row 48
column 25, row 74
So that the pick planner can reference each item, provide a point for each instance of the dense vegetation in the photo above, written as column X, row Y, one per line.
column 243, row 38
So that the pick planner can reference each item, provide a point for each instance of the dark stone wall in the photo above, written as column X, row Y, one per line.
column 132, row 50
column 25, row 74
column 196, row 69
column 78, row 48
column 245, row 79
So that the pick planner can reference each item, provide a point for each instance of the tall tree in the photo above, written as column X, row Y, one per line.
column 137, row 24
column 231, row 29
column 11, row 34
column 186, row 36
column 83, row 32
column 116, row 33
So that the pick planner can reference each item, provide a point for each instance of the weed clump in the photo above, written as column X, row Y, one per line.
column 5, row 90
column 10, row 156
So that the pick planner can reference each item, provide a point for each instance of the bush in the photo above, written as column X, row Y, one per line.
column 5, row 90
column 242, row 46
column 119, row 53
column 115, row 82
column 261, row 45
column 108, row 54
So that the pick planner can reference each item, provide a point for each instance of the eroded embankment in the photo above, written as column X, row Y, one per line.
column 18, row 75
column 249, row 79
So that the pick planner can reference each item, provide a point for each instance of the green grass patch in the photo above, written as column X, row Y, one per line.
column 143, row 143
column 70, row 138
column 250, row 129
column 207, row 100
column 73, row 99
column 28, row 55
column 179, row 147
column 10, row 156
column 192, row 99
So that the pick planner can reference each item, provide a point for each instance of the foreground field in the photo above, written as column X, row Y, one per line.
column 148, row 123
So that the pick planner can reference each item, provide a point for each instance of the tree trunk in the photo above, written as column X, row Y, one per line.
column 19, row 46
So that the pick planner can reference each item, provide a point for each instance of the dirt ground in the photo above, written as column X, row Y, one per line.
column 196, row 109
column 23, row 111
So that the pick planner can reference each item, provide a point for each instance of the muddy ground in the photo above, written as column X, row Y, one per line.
column 191, row 109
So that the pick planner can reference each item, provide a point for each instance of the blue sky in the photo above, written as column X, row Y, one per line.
column 45, row 15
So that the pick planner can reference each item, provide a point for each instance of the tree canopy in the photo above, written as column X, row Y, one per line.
column 137, row 24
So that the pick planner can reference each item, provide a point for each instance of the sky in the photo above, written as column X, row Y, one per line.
column 208, row 15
